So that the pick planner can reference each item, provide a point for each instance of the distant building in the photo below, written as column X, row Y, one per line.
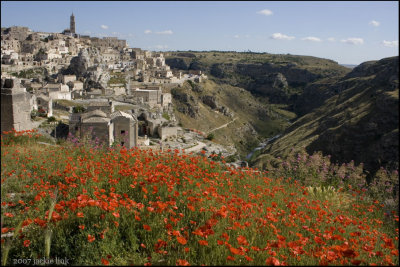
column 72, row 24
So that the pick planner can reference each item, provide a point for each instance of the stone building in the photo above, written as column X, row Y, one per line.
column 72, row 24
column 15, row 106
column 115, row 128
column 106, row 106
column 46, row 103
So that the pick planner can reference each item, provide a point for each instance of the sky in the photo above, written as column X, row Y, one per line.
column 345, row 31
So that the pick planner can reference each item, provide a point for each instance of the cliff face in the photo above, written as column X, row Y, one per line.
column 358, row 122
column 279, row 77
column 86, row 65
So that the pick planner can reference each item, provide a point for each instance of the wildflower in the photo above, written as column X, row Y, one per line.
column 27, row 243
column 203, row 242
column 273, row 261
column 81, row 227
column 91, row 238
column 182, row 263
column 242, row 240
column 181, row 240
column 146, row 227
column 104, row 261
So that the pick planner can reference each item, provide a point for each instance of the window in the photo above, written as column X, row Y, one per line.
column 122, row 143
column 76, row 128
column 122, row 131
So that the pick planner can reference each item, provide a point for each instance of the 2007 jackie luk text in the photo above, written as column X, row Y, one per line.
column 42, row 261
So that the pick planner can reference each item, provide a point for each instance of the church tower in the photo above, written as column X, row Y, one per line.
column 72, row 23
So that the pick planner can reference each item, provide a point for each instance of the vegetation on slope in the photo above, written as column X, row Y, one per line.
column 251, row 119
column 360, row 123
column 123, row 207
column 281, row 78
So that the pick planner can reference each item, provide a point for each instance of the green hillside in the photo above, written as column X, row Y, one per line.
column 359, row 123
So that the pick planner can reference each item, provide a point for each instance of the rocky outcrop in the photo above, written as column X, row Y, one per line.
column 87, row 65
column 178, row 63
column 359, row 122
column 96, row 78
column 186, row 103
column 210, row 101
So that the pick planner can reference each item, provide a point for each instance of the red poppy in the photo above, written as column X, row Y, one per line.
column 230, row 258
column 203, row 242
column 273, row 261
column 104, row 261
column 27, row 243
column 182, row 263
column 91, row 238
column 146, row 227
column 242, row 240
column 181, row 240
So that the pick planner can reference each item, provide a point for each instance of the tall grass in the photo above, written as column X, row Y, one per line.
column 122, row 207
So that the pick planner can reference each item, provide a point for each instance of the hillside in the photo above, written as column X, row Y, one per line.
column 279, row 77
column 358, row 121
column 208, row 106
column 114, row 206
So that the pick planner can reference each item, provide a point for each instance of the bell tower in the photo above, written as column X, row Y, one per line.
column 72, row 23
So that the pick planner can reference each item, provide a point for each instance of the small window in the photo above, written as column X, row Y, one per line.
column 122, row 143
column 76, row 128
column 122, row 131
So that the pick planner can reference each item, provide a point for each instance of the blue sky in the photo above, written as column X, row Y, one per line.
column 347, row 32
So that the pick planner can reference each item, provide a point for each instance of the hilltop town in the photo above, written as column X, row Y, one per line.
column 121, row 95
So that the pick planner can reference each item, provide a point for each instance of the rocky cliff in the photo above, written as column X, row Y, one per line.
column 279, row 77
column 358, row 120
column 87, row 65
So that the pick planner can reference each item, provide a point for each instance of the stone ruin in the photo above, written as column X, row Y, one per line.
column 15, row 106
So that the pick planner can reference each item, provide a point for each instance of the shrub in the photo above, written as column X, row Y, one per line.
column 78, row 109
column 210, row 136
column 51, row 119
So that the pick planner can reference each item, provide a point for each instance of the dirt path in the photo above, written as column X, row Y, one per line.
column 222, row 126
column 196, row 148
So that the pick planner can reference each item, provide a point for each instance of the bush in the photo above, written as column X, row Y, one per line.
column 78, row 109
column 210, row 136
column 34, row 114
column 51, row 119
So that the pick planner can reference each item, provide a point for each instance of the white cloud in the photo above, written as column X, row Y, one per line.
column 331, row 39
column 165, row 32
column 374, row 23
column 312, row 39
column 105, row 27
column 280, row 36
column 160, row 47
column 390, row 43
column 265, row 12
column 147, row 31
column 236, row 36
column 353, row 41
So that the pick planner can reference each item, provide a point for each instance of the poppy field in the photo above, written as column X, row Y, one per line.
column 143, row 207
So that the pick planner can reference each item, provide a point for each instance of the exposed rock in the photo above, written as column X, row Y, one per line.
column 360, row 122
column 210, row 101
column 178, row 63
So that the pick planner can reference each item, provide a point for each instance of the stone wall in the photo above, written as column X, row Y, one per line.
column 15, row 106
column 165, row 132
